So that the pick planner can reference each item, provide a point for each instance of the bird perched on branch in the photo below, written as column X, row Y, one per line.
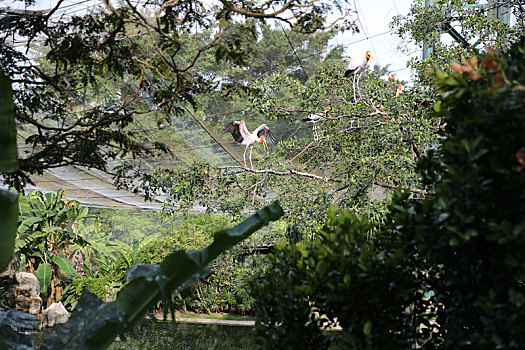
column 241, row 134
column 314, row 118
column 355, row 69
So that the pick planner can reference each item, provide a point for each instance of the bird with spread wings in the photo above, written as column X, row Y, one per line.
column 241, row 135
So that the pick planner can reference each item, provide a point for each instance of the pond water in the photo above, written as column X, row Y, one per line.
column 168, row 335
column 182, row 336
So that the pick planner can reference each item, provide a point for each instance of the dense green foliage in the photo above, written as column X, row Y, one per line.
column 223, row 290
column 96, row 324
column 439, row 264
column 67, row 249
column 474, row 231
column 49, row 231
column 447, row 270
column 100, row 69
column 477, row 23
column 366, row 147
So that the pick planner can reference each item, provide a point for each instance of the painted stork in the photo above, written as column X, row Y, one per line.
column 399, row 90
column 356, row 70
column 314, row 118
column 241, row 134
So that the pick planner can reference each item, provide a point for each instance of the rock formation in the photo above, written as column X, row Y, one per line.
column 56, row 313
column 27, row 293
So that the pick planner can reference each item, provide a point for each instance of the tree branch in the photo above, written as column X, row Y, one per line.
column 391, row 186
column 284, row 173
column 248, row 13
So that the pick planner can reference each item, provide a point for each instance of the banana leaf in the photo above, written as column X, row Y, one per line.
column 43, row 273
column 64, row 264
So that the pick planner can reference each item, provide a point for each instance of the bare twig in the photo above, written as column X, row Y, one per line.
column 304, row 150
column 255, row 187
column 248, row 13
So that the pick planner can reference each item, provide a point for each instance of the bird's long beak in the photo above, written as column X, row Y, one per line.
column 263, row 141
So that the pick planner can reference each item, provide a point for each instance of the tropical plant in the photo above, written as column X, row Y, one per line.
column 445, row 271
column 96, row 324
column 50, row 230
column 224, row 289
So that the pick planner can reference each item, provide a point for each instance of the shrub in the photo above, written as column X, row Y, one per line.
column 446, row 271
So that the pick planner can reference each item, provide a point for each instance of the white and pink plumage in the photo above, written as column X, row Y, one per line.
column 355, row 69
column 241, row 134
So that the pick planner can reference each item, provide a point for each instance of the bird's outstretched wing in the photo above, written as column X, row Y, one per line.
column 235, row 131
column 265, row 131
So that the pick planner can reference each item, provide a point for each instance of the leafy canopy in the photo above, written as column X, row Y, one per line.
column 93, row 71
column 446, row 271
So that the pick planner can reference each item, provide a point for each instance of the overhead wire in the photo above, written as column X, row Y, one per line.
column 201, row 147
column 293, row 50
column 365, row 30
column 299, row 59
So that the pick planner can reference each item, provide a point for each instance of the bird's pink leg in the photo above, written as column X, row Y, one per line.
column 353, row 85
column 358, row 78
column 251, row 149
column 244, row 156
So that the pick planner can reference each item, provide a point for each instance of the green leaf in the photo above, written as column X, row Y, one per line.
column 37, row 204
column 23, row 205
column 43, row 273
column 29, row 222
column 8, row 225
column 347, row 279
column 64, row 264
column 8, row 153
column 453, row 242
column 367, row 329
